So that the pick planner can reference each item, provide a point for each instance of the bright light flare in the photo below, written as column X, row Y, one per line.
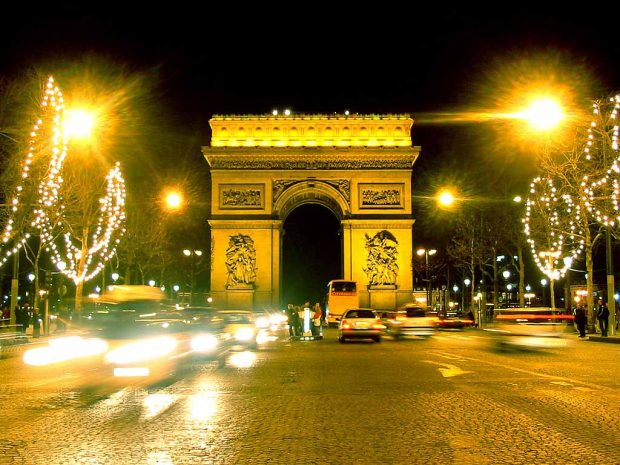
column 173, row 200
column 64, row 349
column 445, row 199
column 79, row 123
column 204, row 343
column 244, row 359
column 142, row 350
column 543, row 114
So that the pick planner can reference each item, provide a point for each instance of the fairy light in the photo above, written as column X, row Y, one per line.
column 564, row 230
column 602, row 196
column 48, row 215
column 52, row 106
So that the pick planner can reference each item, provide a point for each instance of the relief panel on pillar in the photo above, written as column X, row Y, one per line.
column 381, row 265
column 240, row 262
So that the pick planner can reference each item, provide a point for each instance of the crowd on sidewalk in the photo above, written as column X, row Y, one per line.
column 297, row 315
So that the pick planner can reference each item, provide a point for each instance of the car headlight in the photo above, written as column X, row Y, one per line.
column 244, row 334
column 142, row 350
column 204, row 343
column 262, row 322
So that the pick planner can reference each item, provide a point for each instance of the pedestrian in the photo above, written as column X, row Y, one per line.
column 302, row 318
column 293, row 320
column 316, row 319
column 602, row 315
column 581, row 320
column 36, row 323
column 25, row 317
column 323, row 318
column 6, row 315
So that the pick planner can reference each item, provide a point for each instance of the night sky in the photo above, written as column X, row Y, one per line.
column 429, row 62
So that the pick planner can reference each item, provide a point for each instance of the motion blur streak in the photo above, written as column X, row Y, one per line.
column 142, row 350
column 64, row 349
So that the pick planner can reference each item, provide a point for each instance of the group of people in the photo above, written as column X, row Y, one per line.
column 297, row 314
column 602, row 315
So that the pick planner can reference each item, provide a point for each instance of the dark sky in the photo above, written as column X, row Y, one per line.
column 413, row 58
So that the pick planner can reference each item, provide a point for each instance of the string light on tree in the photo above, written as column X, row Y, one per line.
column 602, row 196
column 49, row 212
column 560, row 220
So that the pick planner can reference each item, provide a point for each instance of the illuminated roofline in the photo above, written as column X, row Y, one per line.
column 311, row 116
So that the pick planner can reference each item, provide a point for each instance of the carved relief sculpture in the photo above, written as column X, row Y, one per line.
column 341, row 185
column 240, row 262
column 381, row 267
column 381, row 195
column 242, row 196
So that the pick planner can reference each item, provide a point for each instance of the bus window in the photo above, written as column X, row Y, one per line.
column 341, row 295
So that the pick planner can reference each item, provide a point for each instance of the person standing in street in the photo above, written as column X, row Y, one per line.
column 316, row 320
column 581, row 320
column 602, row 315
column 293, row 323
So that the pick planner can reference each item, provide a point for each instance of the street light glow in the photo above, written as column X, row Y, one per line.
column 173, row 199
column 445, row 199
column 544, row 114
column 79, row 123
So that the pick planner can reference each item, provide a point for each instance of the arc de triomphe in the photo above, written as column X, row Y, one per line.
column 263, row 167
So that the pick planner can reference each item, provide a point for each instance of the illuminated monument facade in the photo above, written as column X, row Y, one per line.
column 263, row 167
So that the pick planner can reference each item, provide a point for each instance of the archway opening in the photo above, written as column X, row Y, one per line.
column 311, row 253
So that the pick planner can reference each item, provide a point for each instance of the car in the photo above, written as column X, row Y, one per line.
column 530, row 328
column 271, row 325
column 453, row 321
column 239, row 326
column 410, row 320
column 360, row 323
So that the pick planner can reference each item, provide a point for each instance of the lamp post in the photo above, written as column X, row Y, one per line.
column 426, row 253
column 192, row 254
column 543, row 283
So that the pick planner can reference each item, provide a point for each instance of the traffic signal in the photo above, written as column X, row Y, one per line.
column 48, row 279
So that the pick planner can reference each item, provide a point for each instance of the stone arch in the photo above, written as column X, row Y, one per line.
column 311, row 191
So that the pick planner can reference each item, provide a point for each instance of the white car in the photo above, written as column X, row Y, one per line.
column 410, row 320
column 360, row 323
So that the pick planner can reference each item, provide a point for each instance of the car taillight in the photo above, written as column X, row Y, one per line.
column 377, row 325
column 346, row 324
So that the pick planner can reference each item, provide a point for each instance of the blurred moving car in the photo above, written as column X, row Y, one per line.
column 410, row 320
column 530, row 327
column 271, row 325
column 360, row 323
column 453, row 321
column 239, row 326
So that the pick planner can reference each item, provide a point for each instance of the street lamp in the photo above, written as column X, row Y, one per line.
column 543, row 283
column 192, row 254
column 426, row 253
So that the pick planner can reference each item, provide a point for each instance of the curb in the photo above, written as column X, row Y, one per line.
column 609, row 339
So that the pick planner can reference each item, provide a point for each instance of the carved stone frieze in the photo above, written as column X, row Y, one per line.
column 270, row 164
column 341, row 185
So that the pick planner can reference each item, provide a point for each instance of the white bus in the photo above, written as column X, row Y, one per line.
column 341, row 295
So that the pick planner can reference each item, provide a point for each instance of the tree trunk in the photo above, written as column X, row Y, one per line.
column 79, row 286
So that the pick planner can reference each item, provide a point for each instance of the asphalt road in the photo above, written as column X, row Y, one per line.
column 452, row 399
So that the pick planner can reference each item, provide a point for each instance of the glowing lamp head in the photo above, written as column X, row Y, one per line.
column 445, row 199
column 544, row 114
column 174, row 200
column 79, row 123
